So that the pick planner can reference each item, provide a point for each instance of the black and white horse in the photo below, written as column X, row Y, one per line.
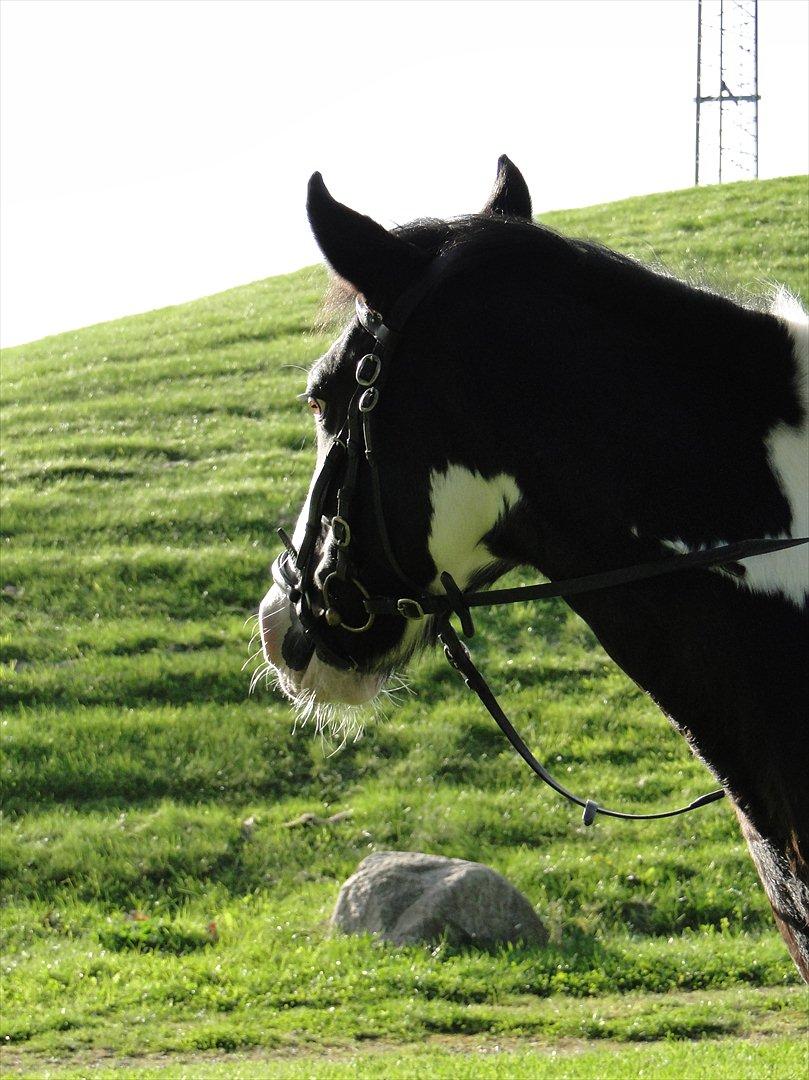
column 560, row 406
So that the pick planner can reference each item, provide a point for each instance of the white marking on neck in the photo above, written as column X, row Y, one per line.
column 785, row 573
column 465, row 507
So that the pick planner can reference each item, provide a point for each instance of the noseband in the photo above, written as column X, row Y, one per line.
column 295, row 571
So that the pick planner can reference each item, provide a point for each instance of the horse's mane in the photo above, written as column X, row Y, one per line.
column 606, row 270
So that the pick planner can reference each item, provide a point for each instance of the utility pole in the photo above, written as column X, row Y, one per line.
column 726, row 138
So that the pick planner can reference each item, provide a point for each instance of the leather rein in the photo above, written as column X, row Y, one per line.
column 313, row 605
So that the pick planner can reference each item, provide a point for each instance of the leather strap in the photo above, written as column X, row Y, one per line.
column 458, row 656
column 443, row 604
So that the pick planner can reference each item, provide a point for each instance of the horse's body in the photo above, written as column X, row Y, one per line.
column 559, row 406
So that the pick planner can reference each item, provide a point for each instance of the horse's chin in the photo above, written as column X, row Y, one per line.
column 318, row 684
column 324, row 685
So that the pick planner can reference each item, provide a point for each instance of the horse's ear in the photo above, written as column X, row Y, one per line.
column 510, row 196
column 378, row 264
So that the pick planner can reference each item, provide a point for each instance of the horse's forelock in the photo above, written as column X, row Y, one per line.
column 337, row 304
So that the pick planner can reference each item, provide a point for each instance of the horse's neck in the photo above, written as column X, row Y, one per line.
column 722, row 658
column 728, row 667
column 718, row 440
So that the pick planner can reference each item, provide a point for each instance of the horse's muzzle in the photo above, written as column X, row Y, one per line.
column 300, row 671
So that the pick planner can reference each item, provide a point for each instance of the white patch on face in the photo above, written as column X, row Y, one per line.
column 785, row 573
column 465, row 507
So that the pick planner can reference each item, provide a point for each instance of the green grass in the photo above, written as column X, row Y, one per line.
column 145, row 464
column 715, row 1059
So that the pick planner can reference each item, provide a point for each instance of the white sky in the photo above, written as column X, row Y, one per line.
column 154, row 151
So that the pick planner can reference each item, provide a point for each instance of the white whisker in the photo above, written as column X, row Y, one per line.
column 336, row 724
column 251, row 659
column 262, row 671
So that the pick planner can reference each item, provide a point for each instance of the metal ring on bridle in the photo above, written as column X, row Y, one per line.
column 368, row 400
column 368, row 369
column 338, row 619
column 409, row 608
column 341, row 531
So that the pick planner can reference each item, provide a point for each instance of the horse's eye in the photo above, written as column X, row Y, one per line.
column 316, row 407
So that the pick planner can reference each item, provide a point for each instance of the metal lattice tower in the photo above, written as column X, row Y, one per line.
column 727, row 91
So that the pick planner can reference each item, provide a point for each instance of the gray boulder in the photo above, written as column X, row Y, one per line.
column 406, row 897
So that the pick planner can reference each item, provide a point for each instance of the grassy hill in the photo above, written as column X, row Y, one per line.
column 155, row 899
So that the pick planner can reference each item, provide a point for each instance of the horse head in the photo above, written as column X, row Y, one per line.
column 434, row 491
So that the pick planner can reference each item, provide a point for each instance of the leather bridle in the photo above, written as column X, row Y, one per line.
column 294, row 571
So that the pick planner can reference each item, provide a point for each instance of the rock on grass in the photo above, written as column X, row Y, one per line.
column 406, row 897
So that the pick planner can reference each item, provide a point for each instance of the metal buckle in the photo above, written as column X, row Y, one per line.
column 284, row 574
column 341, row 531
column 590, row 811
column 372, row 361
column 369, row 399
column 451, row 658
column 332, row 615
column 409, row 608
column 366, row 315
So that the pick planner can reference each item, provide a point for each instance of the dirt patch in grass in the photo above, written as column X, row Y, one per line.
column 36, row 1065
column 28, row 1064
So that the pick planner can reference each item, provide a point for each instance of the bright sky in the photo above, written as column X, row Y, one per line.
column 154, row 151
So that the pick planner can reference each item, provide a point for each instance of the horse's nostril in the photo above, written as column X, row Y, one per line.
column 296, row 650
